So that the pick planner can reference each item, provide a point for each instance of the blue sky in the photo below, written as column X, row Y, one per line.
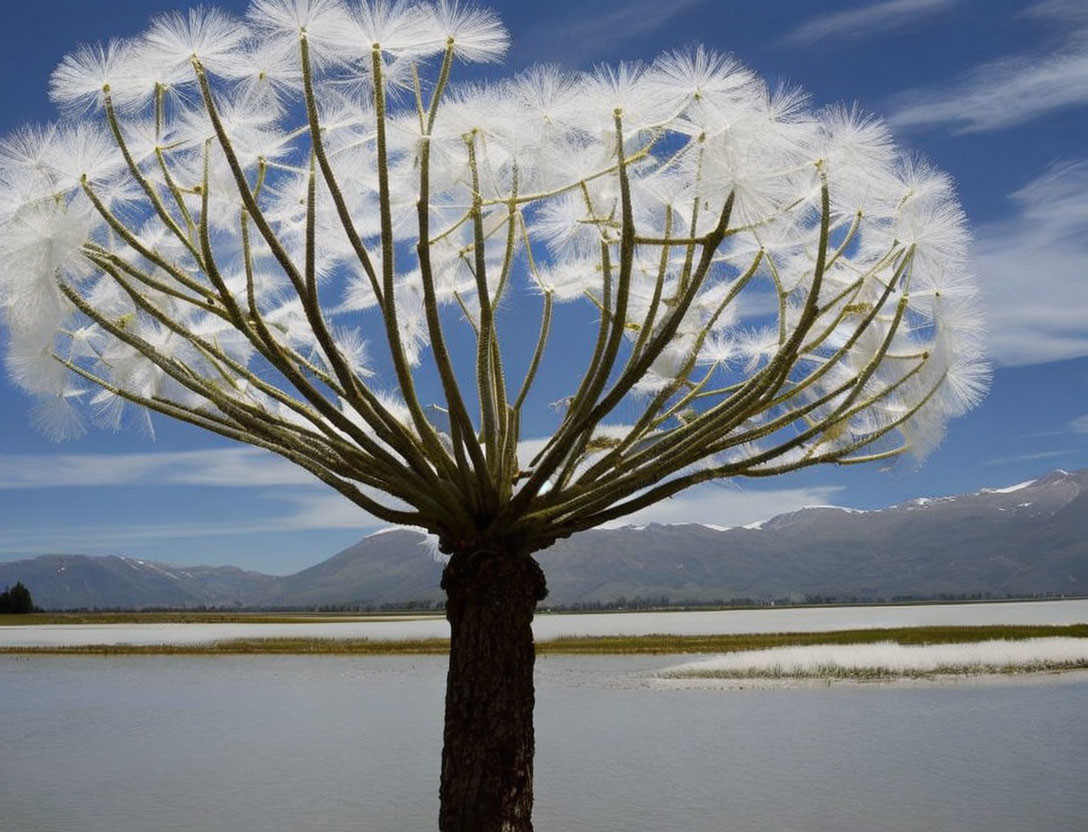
column 993, row 91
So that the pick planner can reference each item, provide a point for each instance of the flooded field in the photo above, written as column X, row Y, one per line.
column 550, row 626
column 286, row 743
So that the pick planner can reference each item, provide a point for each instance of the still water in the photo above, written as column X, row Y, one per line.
column 763, row 620
column 294, row 743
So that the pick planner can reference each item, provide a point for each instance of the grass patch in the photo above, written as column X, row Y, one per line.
column 883, row 674
column 761, row 641
column 575, row 645
column 894, row 660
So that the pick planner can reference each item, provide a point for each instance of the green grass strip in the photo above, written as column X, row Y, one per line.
column 574, row 645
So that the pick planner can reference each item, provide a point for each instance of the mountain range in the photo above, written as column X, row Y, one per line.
column 1024, row 540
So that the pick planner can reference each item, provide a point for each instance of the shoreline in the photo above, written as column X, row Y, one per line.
column 972, row 679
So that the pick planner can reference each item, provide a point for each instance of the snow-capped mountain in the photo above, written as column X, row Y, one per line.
column 1026, row 539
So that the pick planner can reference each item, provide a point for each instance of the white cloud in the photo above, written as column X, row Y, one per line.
column 1001, row 94
column 226, row 467
column 305, row 511
column 316, row 511
column 594, row 31
column 325, row 509
column 1063, row 11
column 1011, row 90
column 305, row 504
column 1005, row 460
column 1033, row 270
column 727, row 505
column 89, row 538
column 875, row 17
column 724, row 504
column 1079, row 425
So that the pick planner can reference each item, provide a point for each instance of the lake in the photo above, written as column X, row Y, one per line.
column 762, row 620
column 333, row 743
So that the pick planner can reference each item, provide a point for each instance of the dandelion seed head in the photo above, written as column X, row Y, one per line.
column 298, row 197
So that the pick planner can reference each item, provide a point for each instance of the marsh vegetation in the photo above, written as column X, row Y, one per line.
column 659, row 644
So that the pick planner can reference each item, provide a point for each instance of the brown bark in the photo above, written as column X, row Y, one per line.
column 487, row 758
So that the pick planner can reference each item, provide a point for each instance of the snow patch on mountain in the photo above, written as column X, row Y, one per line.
column 1020, row 486
column 391, row 529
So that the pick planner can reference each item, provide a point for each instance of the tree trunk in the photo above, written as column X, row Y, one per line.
column 487, row 757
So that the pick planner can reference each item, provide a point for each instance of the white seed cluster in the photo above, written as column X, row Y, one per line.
column 232, row 210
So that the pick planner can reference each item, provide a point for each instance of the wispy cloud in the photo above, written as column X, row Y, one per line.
column 87, row 538
column 308, row 511
column 728, row 505
column 1001, row 94
column 1032, row 269
column 593, row 33
column 1062, row 11
column 226, row 467
column 289, row 498
column 1011, row 90
column 324, row 510
column 865, row 20
column 1079, row 425
column 303, row 511
column 1007, row 460
column 230, row 467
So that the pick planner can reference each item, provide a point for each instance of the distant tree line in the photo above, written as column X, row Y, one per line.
column 619, row 604
column 16, row 599
column 425, row 605
column 665, row 602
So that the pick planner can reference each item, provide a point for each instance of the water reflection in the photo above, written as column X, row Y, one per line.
column 269, row 743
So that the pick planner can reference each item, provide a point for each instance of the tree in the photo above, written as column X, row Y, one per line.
column 295, row 232
column 16, row 599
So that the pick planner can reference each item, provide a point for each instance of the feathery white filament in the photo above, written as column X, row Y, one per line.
column 234, row 229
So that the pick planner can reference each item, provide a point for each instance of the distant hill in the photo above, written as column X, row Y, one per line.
column 112, row 582
column 1027, row 539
